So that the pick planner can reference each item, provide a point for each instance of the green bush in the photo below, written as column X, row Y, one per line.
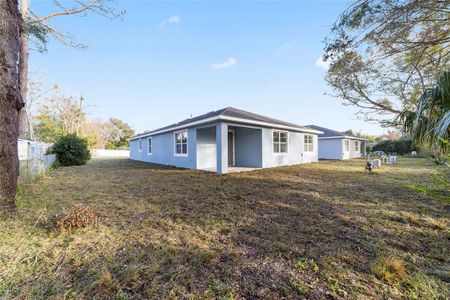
column 71, row 150
column 401, row 147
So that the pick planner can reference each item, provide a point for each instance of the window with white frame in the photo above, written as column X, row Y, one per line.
column 346, row 145
column 356, row 146
column 280, row 142
column 149, row 145
column 181, row 143
column 308, row 145
column 140, row 145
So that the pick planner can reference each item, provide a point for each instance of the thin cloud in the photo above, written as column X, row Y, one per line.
column 321, row 64
column 287, row 46
column 230, row 62
column 173, row 20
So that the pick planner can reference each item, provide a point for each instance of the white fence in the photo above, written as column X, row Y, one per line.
column 31, row 149
column 103, row 153
column 33, row 161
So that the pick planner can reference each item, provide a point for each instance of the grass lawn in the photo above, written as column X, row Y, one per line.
column 313, row 231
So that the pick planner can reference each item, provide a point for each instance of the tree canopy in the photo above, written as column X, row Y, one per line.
column 384, row 53
column 120, row 136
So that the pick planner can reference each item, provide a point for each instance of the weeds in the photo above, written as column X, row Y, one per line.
column 306, row 264
column 438, row 186
column 422, row 286
column 299, row 287
column 390, row 269
column 215, row 286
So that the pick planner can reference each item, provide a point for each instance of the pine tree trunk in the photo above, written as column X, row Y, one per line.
column 10, row 102
column 23, row 74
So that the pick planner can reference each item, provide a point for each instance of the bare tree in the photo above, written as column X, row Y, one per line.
column 10, row 102
column 58, row 114
column 36, row 92
column 98, row 132
column 39, row 28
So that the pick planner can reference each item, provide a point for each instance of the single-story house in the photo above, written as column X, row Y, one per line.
column 339, row 145
column 227, row 140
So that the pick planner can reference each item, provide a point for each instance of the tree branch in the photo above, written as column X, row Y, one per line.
column 67, row 12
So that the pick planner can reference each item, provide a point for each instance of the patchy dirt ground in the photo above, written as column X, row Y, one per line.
column 316, row 231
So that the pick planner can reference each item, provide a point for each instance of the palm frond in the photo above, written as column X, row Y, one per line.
column 430, row 123
column 443, row 126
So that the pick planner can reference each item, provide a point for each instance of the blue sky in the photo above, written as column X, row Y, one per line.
column 166, row 60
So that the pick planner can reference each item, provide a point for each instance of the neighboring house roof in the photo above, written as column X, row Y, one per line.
column 333, row 134
column 233, row 115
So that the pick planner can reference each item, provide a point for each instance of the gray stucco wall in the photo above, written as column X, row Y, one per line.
column 206, row 148
column 248, row 147
column 335, row 149
column 163, row 150
column 295, row 155
column 331, row 149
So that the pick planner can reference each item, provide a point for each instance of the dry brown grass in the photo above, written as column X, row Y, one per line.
column 308, row 231
column 411, row 218
column 437, row 223
column 390, row 269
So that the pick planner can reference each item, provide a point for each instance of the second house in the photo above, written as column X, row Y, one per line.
column 339, row 145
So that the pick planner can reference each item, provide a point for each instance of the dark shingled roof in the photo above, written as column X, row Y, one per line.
column 229, row 112
column 242, row 114
column 332, row 133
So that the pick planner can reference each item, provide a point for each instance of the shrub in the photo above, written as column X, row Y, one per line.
column 400, row 147
column 71, row 150
column 77, row 217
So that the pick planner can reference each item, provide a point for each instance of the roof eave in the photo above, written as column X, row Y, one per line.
column 343, row 137
column 230, row 119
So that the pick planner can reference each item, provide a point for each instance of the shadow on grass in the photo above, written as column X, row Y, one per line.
column 179, row 233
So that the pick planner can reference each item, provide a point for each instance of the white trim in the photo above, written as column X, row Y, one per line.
column 233, row 119
column 287, row 143
column 312, row 143
column 346, row 140
column 175, row 144
column 234, row 146
column 140, row 145
column 357, row 146
column 149, row 142
column 343, row 137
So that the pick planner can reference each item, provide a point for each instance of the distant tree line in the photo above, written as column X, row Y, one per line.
column 55, row 114
column 400, row 147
